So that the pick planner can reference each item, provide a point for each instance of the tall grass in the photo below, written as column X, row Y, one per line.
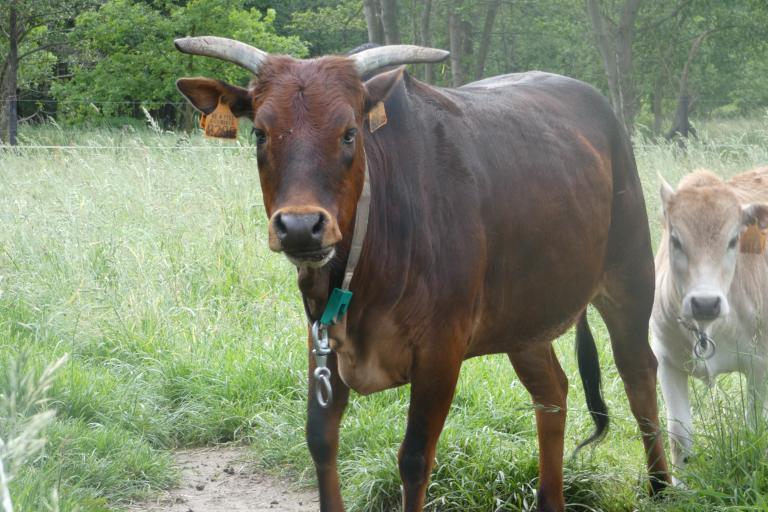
column 150, row 267
column 23, row 420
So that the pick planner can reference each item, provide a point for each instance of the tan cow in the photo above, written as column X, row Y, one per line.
column 706, row 288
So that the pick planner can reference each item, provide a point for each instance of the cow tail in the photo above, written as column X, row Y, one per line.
column 589, row 369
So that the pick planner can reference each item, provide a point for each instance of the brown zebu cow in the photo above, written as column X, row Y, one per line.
column 498, row 211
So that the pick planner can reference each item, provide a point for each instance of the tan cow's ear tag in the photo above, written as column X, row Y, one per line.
column 377, row 117
column 221, row 123
column 752, row 240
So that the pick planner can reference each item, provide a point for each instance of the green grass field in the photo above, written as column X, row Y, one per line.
column 150, row 268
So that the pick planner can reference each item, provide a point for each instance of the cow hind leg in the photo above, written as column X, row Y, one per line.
column 625, row 306
column 541, row 374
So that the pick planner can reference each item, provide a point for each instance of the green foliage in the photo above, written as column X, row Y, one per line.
column 120, row 51
column 125, row 52
column 332, row 29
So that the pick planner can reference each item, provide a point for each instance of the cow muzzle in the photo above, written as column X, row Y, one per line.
column 306, row 236
column 705, row 306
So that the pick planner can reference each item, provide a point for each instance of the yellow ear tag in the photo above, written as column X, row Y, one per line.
column 377, row 117
column 752, row 240
column 221, row 123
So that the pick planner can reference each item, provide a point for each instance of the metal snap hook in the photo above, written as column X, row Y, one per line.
column 323, row 389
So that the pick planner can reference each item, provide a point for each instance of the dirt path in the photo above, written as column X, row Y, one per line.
column 219, row 480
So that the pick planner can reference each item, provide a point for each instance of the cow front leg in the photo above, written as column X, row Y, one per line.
column 541, row 374
column 674, row 388
column 433, row 382
column 758, row 398
column 323, row 435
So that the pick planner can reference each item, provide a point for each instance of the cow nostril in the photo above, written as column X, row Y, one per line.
column 706, row 308
column 280, row 228
column 317, row 228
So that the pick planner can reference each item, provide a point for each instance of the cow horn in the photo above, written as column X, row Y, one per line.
column 225, row 49
column 375, row 58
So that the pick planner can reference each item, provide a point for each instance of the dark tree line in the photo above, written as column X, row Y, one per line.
column 658, row 61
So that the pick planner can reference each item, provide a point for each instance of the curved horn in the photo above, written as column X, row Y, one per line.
column 225, row 49
column 375, row 58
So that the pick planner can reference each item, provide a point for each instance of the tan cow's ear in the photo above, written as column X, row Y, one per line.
column 755, row 213
column 666, row 192
column 204, row 94
column 378, row 88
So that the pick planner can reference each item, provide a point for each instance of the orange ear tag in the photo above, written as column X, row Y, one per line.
column 221, row 123
column 377, row 117
column 752, row 240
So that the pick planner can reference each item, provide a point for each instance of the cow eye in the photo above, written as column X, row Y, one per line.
column 676, row 242
column 349, row 136
column 260, row 136
column 732, row 243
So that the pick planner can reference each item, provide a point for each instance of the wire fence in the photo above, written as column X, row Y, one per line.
column 90, row 148
column 216, row 147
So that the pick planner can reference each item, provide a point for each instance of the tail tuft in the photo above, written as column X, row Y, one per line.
column 589, row 369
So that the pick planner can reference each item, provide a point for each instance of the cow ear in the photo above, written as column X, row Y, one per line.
column 204, row 94
column 755, row 213
column 378, row 88
column 666, row 192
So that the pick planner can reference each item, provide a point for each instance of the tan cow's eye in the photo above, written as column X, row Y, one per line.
column 349, row 136
column 732, row 243
column 676, row 242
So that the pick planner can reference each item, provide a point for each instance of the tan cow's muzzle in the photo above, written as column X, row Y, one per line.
column 705, row 306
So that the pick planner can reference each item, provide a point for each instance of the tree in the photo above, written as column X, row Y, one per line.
column 485, row 40
column 331, row 30
column 389, row 20
column 614, row 40
column 425, row 37
column 456, row 39
column 29, row 29
column 126, row 57
column 372, row 10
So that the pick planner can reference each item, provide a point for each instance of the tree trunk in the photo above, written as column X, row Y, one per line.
column 426, row 37
column 681, row 124
column 4, row 97
column 13, row 70
column 657, row 96
column 455, row 37
column 389, row 21
column 188, row 113
column 372, row 11
column 656, row 109
column 507, row 46
column 615, row 46
column 485, row 39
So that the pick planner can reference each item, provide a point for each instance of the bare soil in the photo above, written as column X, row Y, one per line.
column 220, row 480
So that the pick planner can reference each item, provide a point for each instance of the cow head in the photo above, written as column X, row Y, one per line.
column 308, row 126
column 704, row 220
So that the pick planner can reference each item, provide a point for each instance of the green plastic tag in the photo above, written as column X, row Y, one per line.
column 336, row 307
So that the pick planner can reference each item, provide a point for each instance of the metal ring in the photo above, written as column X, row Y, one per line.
column 704, row 348
column 323, row 389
